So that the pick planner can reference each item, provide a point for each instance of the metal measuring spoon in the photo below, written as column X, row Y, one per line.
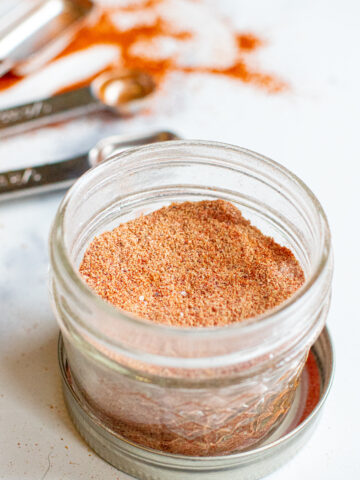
column 33, row 29
column 62, row 174
column 120, row 90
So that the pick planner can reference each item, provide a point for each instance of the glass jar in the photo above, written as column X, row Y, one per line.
column 189, row 391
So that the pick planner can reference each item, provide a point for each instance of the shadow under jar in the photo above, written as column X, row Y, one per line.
column 190, row 391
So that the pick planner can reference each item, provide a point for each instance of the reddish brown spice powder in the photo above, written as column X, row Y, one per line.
column 103, row 31
column 191, row 264
column 248, row 41
column 314, row 386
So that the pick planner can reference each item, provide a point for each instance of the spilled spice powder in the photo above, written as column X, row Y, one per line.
column 9, row 80
column 104, row 31
column 248, row 42
column 192, row 264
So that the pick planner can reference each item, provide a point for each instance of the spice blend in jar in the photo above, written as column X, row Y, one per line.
column 191, row 264
column 194, row 264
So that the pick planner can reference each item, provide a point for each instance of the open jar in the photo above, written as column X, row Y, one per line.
column 188, row 391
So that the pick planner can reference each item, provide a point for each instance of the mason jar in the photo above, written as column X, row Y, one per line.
column 195, row 392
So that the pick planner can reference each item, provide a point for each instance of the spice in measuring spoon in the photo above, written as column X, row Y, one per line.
column 123, row 91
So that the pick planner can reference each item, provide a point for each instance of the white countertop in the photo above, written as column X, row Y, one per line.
column 312, row 129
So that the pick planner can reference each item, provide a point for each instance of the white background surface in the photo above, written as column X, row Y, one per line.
column 313, row 130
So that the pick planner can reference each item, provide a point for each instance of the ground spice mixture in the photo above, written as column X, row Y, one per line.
column 101, row 29
column 314, row 386
column 191, row 264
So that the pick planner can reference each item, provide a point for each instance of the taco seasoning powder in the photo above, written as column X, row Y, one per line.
column 191, row 264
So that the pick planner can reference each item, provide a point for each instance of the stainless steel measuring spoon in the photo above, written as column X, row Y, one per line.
column 58, row 175
column 120, row 90
column 33, row 28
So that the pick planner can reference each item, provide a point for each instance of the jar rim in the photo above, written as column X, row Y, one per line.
column 57, row 236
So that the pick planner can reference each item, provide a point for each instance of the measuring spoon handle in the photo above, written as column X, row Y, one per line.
column 56, row 108
column 62, row 174
column 42, row 178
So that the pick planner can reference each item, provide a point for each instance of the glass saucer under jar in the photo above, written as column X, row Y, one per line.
column 189, row 391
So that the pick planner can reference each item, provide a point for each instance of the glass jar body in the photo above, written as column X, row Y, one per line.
column 201, row 420
column 194, row 392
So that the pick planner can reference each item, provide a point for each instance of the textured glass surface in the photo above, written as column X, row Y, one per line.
column 189, row 421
